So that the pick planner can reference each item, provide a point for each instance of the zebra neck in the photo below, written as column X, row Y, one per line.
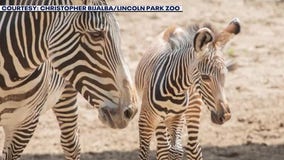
column 191, row 74
column 176, row 71
column 26, row 36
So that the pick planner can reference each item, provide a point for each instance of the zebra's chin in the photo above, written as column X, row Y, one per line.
column 220, row 119
column 109, row 120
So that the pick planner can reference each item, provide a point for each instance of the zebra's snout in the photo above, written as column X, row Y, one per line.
column 106, row 117
column 115, row 117
column 222, row 115
column 220, row 119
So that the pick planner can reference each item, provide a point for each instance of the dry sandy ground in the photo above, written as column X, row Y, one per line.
column 255, row 90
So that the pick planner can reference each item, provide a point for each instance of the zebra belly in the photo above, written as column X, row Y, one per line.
column 15, row 112
column 52, row 98
column 47, row 87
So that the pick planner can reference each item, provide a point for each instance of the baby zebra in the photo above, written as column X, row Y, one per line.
column 182, row 69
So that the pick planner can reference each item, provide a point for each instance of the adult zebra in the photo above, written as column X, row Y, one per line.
column 181, row 68
column 46, row 58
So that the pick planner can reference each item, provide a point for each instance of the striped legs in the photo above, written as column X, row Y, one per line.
column 174, row 128
column 169, row 143
column 175, row 125
column 163, row 141
column 18, row 135
column 168, row 134
column 67, row 114
column 192, row 116
column 148, row 122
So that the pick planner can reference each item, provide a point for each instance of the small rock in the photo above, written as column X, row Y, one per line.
column 264, row 144
column 249, row 142
column 241, row 120
column 250, row 121
column 259, row 46
column 229, row 155
column 238, row 88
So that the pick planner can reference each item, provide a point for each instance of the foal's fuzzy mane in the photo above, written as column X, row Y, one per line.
column 179, row 37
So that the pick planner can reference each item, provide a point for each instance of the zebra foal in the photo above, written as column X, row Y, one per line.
column 46, row 58
column 182, row 69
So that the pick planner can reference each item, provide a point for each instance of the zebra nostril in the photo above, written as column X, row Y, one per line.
column 128, row 113
column 221, row 119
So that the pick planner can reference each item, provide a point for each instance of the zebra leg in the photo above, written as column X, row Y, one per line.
column 192, row 116
column 147, row 125
column 66, row 113
column 175, row 125
column 17, row 136
column 163, row 141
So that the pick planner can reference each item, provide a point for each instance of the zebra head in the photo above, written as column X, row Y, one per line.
column 94, row 65
column 212, row 69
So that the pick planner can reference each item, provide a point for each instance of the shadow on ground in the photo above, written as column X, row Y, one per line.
column 243, row 152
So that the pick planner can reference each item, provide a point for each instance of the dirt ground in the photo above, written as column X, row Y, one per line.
column 255, row 90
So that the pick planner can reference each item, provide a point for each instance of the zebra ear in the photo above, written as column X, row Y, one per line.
column 202, row 37
column 232, row 29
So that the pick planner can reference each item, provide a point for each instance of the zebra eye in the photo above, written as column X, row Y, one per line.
column 205, row 77
column 97, row 35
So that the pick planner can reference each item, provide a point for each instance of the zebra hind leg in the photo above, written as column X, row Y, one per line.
column 192, row 116
column 17, row 137
column 66, row 113
column 163, row 141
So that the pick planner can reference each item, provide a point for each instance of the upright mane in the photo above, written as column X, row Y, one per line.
column 179, row 38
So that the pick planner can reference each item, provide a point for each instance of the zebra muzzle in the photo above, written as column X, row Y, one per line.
column 220, row 117
column 105, row 117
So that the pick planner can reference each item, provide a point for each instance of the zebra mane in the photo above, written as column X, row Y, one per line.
column 180, row 38
column 192, row 29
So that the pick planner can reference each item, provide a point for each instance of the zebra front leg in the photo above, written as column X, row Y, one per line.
column 147, row 125
column 175, row 126
column 66, row 113
column 17, row 136
column 192, row 116
column 163, row 141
